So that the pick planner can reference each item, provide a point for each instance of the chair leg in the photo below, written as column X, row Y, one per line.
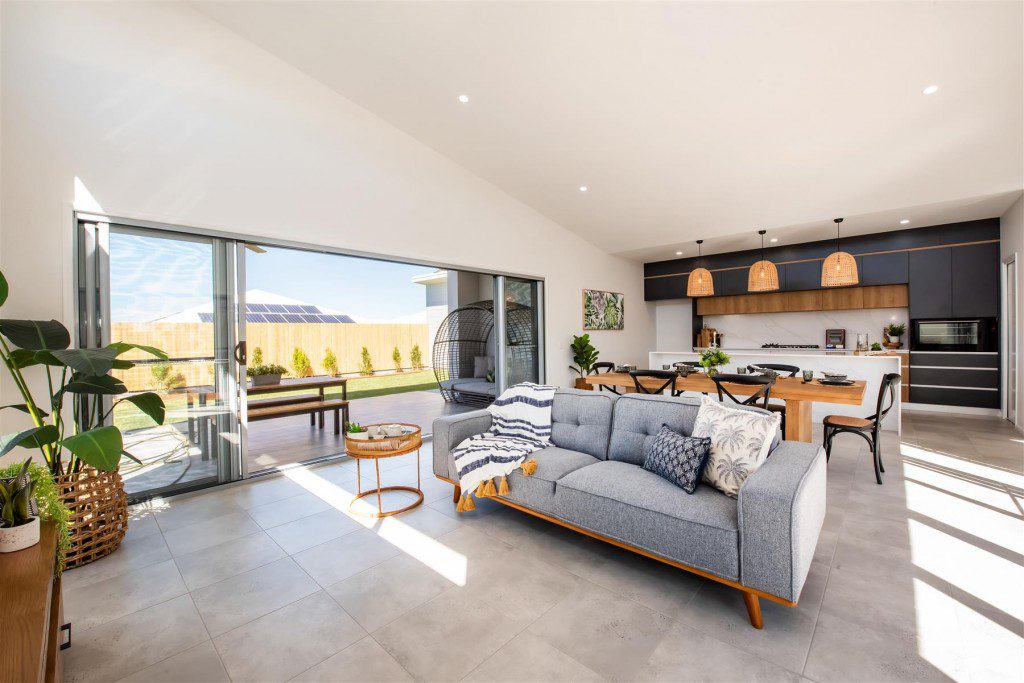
column 876, row 461
column 753, row 609
column 878, row 446
column 457, row 494
column 337, row 421
column 828, row 444
column 312, row 419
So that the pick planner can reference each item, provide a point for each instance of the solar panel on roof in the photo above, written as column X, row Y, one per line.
column 275, row 318
column 292, row 308
column 292, row 318
column 255, row 318
column 275, row 308
column 310, row 309
column 206, row 317
column 310, row 319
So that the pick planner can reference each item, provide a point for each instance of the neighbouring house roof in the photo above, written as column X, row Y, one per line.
column 263, row 307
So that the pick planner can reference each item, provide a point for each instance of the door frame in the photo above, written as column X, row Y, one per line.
column 1010, row 334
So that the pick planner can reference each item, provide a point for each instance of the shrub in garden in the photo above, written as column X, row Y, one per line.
column 366, row 364
column 166, row 378
column 301, row 367
column 396, row 356
column 416, row 358
column 330, row 363
column 257, row 356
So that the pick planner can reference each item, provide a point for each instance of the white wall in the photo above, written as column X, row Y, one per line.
column 1011, row 241
column 165, row 115
column 754, row 329
column 673, row 321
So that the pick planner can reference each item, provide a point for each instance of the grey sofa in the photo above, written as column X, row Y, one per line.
column 591, row 480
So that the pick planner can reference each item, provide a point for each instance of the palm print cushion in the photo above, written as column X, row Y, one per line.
column 740, row 440
column 676, row 458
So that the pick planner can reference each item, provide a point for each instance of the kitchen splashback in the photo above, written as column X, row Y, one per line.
column 750, row 331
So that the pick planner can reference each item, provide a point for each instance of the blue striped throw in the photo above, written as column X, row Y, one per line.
column 521, row 424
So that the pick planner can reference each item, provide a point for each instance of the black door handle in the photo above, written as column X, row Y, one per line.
column 240, row 353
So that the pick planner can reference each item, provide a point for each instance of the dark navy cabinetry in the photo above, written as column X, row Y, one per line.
column 885, row 269
column 931, row 289
column 975, row 281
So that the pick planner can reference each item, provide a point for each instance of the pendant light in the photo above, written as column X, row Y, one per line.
column 764, row 276
column 840, row 268
column 700, row 283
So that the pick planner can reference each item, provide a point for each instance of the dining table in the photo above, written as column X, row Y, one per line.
column 799, row 396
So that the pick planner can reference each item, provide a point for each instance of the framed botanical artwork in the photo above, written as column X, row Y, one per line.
column 603, row 310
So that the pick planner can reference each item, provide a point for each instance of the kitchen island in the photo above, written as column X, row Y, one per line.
column 869, row 368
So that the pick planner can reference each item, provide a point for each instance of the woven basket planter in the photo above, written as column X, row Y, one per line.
column 99, row 514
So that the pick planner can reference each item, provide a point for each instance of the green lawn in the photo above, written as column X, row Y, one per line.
column 128, row 417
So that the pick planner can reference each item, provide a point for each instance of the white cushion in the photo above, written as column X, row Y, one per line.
column 740, row 441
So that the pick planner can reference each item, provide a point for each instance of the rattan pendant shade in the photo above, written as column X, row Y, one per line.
column 840, row 268
column 763, row 276
column 700, row 282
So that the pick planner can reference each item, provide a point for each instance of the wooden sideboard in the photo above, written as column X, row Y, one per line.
column 31, row 613
column 845, row 298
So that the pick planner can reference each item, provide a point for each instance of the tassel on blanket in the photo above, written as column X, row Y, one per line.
column 461, row 507
column 529, row 467
column 470, row 505
column 480, row 490
column 489, row 490
column 503, row 487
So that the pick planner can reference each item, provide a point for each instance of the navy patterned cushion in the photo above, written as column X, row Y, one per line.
column 677, row 458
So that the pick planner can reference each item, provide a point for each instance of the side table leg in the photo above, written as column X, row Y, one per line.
column 380, row 506
column 359, row 475
column 418, row 469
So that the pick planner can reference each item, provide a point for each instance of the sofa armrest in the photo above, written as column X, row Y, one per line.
column 449, row 432
column 781, row 508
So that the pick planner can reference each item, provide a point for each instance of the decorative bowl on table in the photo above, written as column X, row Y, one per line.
column 764, row 372
column 835, row 376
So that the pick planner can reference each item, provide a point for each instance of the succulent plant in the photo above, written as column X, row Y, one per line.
column 16, row 498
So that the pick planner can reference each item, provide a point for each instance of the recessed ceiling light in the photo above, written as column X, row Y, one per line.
column 679, row 253
column 930, row 90
column 774, row 239
column 904, row 221
column 464, row 98
column 583, row 188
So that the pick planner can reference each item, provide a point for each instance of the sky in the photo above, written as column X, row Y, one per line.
column 152, row 277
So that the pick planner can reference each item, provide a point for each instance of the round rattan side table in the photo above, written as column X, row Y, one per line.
column 370, row 446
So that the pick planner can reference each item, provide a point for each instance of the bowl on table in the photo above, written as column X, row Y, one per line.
column 835, row 376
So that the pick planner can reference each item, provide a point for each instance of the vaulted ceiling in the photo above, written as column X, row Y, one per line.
column 687, row 120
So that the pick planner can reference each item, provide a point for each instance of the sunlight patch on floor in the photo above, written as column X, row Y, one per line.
column 433, row 554
column 969, row 468
column 1005, row 530
column 938, row 633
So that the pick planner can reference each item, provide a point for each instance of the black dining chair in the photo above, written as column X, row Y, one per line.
column 780, row 368
column 762, row 394
column 602, row 368
column 669, row 377
column 868, row 428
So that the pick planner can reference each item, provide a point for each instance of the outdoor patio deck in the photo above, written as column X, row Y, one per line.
column 272, row 443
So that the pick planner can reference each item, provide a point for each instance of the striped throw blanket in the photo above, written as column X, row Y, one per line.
column 520, row 425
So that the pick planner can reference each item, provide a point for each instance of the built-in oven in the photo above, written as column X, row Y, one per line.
column 954, row 334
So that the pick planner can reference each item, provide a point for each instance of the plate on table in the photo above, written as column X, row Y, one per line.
column 836, row 382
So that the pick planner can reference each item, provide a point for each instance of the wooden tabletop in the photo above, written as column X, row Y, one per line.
column 298, row 383
column 786, row 388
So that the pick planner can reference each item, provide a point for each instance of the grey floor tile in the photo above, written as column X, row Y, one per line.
column 199, row 664
column 242, row 598
column 280, row 512
column 175, row 513
column 208, row 533
column 425, row 520
column 383, row 593
column 141, row 523
column 686, row 654
column 310, row 531
column 134, row 553
column 133, row 642
column 362, row 661
column 264, row 491
column 97, row 603
column 280, row 645
column 340, row 558
column 210, row 565
column 602, row 630
column 529, row 658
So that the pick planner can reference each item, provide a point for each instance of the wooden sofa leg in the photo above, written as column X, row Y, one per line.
column 457, row 494
column 753, row 609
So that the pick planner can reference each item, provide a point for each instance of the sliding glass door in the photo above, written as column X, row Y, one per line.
column 520, row 319
column 178, row 293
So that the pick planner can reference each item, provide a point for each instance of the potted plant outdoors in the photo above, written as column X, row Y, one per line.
column 584, row 355
column 712, row 358
column 19, row 521
column 81, row 454
column 264, row 374
column 891, row 335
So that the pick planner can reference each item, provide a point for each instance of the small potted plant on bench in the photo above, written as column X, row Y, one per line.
column 19, row 523
column 265, row 373
column 891, row 335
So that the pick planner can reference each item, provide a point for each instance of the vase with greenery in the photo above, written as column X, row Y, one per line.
column 892, row 334
column 48, row 504
column 19, row 525
column 713, row 358
column 584, row 355
column 264, row 374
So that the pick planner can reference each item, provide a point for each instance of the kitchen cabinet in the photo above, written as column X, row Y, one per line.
column 885, row 269
column 842, row 299
column 729, row 282
column 803, row 275
column 931, row 292
column 975, row 281
column 885, row 296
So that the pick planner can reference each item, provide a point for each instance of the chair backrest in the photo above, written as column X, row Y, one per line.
column 778, row 367
column 669, row 377
column 603, row 366
column 890, row 381
column 761, row 394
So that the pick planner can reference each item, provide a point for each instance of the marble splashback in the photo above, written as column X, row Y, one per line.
column 754, row 329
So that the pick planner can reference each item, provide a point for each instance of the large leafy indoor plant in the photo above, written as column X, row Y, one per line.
column 69, row 424
column 584, row 355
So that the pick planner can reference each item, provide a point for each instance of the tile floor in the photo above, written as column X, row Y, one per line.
column 919, row 579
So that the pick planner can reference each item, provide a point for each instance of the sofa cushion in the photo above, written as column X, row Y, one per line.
column 537, row 491
column 581, row 421
column 637, row 419
column 677, row 458
column 629, row 504
column 740, row 441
